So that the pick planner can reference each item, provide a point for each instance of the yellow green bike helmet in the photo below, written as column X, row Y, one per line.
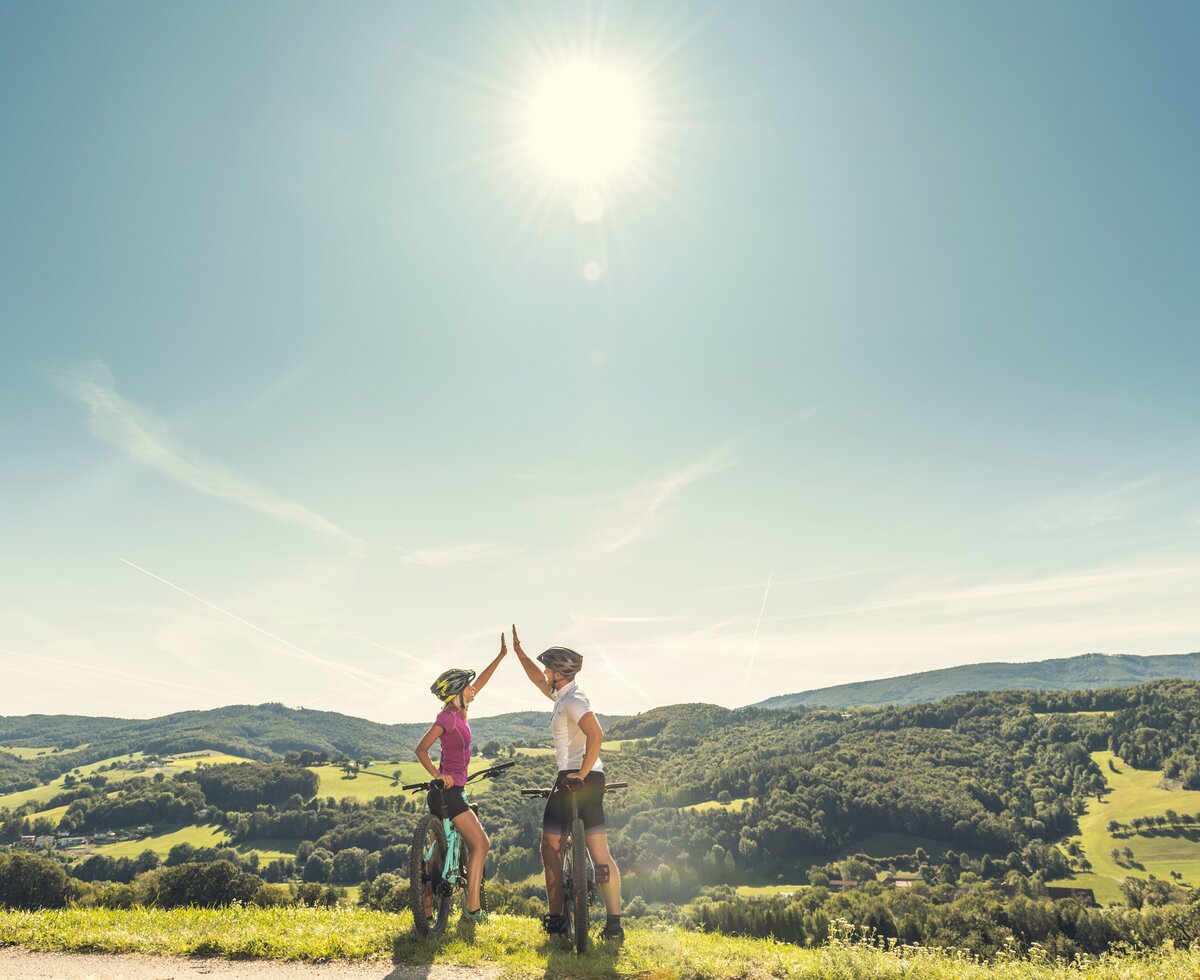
column 451, row 683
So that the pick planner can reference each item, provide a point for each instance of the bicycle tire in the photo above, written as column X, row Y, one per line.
column 579, row 900
column 421, row 874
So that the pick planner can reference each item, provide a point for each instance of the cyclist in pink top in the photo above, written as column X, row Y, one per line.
column 454, row 688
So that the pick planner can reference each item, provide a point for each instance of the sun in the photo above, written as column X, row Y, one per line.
column 585, row 123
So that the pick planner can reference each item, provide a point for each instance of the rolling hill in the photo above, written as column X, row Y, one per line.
column 263, row 731
column 1091, row 670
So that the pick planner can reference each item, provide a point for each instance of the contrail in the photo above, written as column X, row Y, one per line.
column 609, row 664
column 754, row 643
column 305, row 654
column 97, row 669
column 380, row 646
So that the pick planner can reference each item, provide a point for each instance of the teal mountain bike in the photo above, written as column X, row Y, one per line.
column 438, row 862
column 579, row 873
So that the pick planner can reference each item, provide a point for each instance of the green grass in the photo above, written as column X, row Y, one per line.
column 767, row 891
column 733, row 806
column 55, row 814
column 368, row 783
column 1135, row 793
column 518, row 948
column 377, row 780
column 611, row 745
column 203, row 835
column 1072, row 714
column 26, row 751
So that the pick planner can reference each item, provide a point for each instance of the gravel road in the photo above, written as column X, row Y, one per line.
column 19, row 964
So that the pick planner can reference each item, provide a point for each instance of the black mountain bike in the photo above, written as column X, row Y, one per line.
column 437, row 863
column 579, row 874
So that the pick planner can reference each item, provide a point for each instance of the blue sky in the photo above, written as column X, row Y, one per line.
column 880, row 356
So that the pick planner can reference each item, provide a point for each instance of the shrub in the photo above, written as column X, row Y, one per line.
column 28, row 881
column 209, row 885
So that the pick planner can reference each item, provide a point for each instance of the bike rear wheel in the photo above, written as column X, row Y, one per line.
column 428, row 893
column 578, row 900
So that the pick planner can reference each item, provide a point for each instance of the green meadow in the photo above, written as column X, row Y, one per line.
column 1135, row 793
column 611, row 745
column 516, row 947
column 202, row 835
column 733, row 806
column 47, row 791
column 27, row 752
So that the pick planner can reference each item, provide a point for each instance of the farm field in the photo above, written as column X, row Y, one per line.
column 1135, row 793
column 47, row 791
column 367, row 783
column 733, row 806
column 377, row 780
column 55, row 814
column 203, row 835
column 1071, row 714
column 26, row 751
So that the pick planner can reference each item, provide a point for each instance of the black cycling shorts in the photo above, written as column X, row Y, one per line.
column 556, row 821
column 447, row 803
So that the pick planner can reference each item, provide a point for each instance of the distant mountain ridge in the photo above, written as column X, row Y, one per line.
column 257, row 731
column 1090, row 670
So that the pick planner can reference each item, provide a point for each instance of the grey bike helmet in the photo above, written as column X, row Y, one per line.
column 563, row 659
column 451, row 683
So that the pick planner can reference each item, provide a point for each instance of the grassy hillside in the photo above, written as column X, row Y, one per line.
column 47, row 791
column 1136, row 793
column 1092, row 670
column 518, row 948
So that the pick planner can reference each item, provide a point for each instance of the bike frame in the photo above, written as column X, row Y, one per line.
column 453, row 847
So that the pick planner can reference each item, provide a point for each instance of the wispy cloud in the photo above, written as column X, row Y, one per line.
column 39, row 665
column 641, row 507
column 1092, row 587
column 136, row 431
column 449, row 555
column 1079, row 511
column 361, row 677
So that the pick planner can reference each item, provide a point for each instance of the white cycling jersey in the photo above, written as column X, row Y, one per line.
column 570, row 744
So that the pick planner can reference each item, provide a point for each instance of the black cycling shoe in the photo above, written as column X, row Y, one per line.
column 612, row 931
column 555, row 925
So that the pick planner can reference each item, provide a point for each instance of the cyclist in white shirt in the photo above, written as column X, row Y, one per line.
column 577, row 738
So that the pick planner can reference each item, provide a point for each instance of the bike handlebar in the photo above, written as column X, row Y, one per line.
column 489, row 773
column 546, row 791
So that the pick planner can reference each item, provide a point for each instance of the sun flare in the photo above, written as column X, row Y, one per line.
column 585, row 122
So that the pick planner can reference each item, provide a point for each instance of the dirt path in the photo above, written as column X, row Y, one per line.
column 19, row 964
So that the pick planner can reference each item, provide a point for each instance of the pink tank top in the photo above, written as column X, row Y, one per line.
column 455, row 744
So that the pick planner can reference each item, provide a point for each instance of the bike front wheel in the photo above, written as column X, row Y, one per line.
column 578, row 899
column 428, row 892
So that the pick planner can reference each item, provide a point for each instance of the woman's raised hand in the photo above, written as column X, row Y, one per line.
column 503, row 645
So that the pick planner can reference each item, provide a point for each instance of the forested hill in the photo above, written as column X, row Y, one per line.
column 263, row 731
column 1091, row 670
